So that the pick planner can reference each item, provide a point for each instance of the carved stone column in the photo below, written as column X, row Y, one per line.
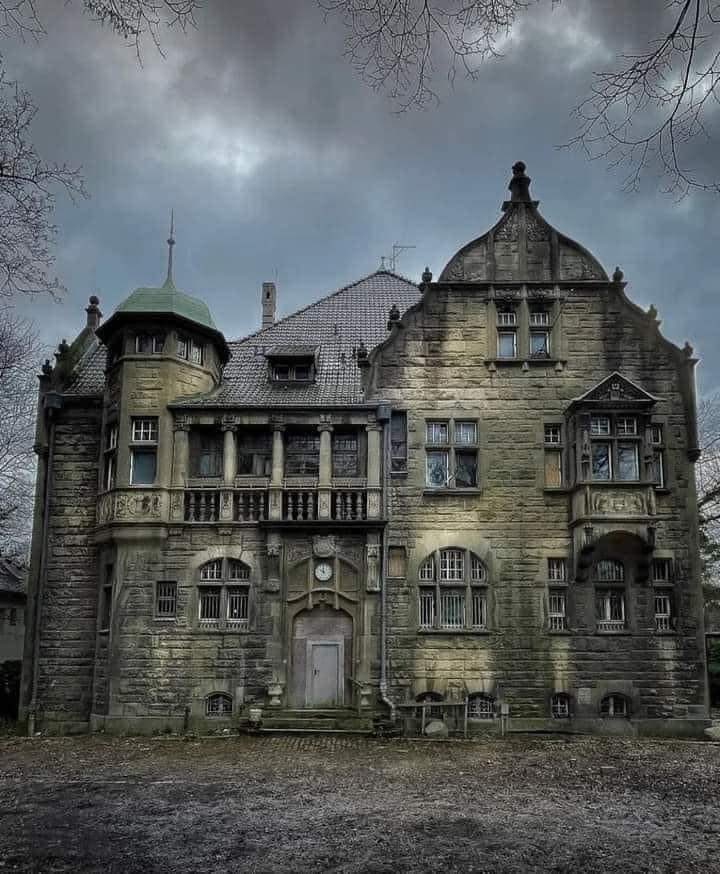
column 229, row 454
column 372, row 561
column 278, row 470
column 181, row 458
column 325, row 471
column 274, row 551
column 374, row 454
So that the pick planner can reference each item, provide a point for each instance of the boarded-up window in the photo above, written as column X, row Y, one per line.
column 397, row 563
column 345, row 453
column 553, row 468
column 302, row 453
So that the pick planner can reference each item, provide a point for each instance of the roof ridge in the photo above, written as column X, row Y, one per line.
column 330, row 296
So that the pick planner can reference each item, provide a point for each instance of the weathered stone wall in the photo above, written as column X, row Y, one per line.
column 434, row 367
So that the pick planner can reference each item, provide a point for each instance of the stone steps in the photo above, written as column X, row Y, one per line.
column 313, row 722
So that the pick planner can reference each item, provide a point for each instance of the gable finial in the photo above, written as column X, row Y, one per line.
column 171, row 243
column 519, row 184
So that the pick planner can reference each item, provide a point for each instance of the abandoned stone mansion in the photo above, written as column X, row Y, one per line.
column 473, row 495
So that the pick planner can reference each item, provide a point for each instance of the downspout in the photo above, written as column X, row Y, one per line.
column 383, row 582
column 52, row 402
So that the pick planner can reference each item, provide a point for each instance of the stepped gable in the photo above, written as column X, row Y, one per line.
column 523, row 247
column 334, row 326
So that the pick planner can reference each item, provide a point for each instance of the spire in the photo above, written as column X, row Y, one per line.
column 171, row 242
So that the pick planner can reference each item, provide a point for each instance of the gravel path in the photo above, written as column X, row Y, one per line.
column 583, row 805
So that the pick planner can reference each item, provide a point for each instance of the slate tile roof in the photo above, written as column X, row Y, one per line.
column 332, row 326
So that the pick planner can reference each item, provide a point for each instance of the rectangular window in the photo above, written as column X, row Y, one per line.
column 601, row 461
column 466, row 432
column 302, row 372
column 557, row 570
column 158, row 342
column 465, row 469
column 181, row 347
column 397, row 562
column 452, row 564
column 206, row 453
column 610, row 609
column 345, row 460
column 436, row 472
column 281, row 372
column 656, row 439
column 210, row 603
column 628, row 465
column 166, row 600
column 539, row 344
column 556, row 611
column 196, row 352
column 553, row 434
column 600, row 426
column 398, row 442
column 302, row 453
column 539, row 318
column 143, row 464
column 238, row 602
column 110, row 457
column 626, row 426
column 478, row 617
column 663, row 610
column 507, row 344
column 507, row 318
column 143, row 344
column 452, row 609
column 662, row 570
column 436, row 432
column 553, row 468
column 427, row 608
column 254, row 453
column 144, row 430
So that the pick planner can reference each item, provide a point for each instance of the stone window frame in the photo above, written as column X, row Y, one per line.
column 399, row 448
column 450, row 447
column 397, row 555
column 540, row 326
column 164, row 596
column 215, row 705
column 144, row 439
column 554, row 449
column 665, row 617
column 614, row 440
column 440, row 589
column 614, row 705
column 232, row 578
column 110, row 456
column 657, row 447
column 560, row 705
column 557, row 588
column 610, row 583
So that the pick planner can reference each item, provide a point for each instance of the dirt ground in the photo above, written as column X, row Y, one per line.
column 308, row 804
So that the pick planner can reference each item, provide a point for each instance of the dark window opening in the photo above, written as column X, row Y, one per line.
column 254, row 450
column 302, row 453
column 206, row 452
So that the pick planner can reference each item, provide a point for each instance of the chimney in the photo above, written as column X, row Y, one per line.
column 269, row 294
column 93, row 313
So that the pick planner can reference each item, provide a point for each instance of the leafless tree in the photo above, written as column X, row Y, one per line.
column 28, row 188
column 708, row 487
column 19, row 354
column 646, row 112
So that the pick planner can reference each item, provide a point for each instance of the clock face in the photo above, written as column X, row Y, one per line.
column 323, row 571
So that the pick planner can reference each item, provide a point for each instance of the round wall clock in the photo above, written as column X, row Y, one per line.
column 323, row 571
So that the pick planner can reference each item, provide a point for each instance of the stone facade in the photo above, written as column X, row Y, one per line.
column 473, row 496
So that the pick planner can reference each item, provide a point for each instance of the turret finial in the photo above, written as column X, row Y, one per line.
column 171, row 243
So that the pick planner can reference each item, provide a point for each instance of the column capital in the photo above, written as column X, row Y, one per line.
column 181, row 423
column 325, row 427
column 228, row 426
column 277, row 426
column 374, row 426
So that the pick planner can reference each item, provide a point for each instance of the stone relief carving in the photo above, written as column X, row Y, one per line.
column 373, row 567
column 274, row 551
column 618, row 502
column 509, row 229
column 133, row 506
column 536, row 230
column 456, row 270
column 324, row 545
column 297, row 551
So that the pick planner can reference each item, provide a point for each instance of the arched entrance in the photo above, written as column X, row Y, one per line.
column 321, row 658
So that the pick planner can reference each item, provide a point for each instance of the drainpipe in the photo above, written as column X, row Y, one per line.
column 384, row 416
column 52, row 402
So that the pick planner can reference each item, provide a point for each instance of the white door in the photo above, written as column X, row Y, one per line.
column 324, row 668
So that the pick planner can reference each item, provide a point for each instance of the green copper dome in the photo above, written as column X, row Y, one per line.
column 168, row 300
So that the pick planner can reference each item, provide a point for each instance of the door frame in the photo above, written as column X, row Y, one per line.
column 340, row 646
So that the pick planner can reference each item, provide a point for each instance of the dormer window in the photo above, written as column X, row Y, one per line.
column 282, row 371
column 290, row 364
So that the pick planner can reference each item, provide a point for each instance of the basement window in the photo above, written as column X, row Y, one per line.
column 218, row 704
column 481, row 706
column 614, row 706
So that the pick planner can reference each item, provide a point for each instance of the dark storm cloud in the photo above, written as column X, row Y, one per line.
column 281, row 165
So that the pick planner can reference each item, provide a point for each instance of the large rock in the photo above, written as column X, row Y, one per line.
column 436, row 728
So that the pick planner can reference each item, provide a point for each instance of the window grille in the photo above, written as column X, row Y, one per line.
column 478, row 602
column 433, row 712
column 539, row 318
column 212, row 570
column 218, row 704
column 662, row 570
column 238, row 602
column 663, row 611
column 477, row 569
column 560, row 706
column 557, row 570
column 507, row 318
column 481, row 707
column 166, row 604
column 427, row 608
column 610, row 571
column 427, row 569
column 452, row 609
column 452, row 563
column 610, row 610
column 210, row 604
column 237, row 570
column 557, row 605
column 436, row 432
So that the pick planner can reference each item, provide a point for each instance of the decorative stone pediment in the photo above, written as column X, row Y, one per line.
column 616, row 389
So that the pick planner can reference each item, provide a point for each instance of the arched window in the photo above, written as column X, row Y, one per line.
column 610, row 596
column 614, row 705
column 224, row 594
column 218, row 704
column 560, row 705
column 481, row 706
column 430, row 712
column 452, row 591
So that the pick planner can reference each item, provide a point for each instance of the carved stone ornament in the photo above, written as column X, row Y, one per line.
column 608, row 502
column 537, row 231
column 508, row 230
column 137, row 506
column 456, row 270
column 274, row 550
column 324, row 545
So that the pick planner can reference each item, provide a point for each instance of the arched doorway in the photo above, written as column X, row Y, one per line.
column 321, row 658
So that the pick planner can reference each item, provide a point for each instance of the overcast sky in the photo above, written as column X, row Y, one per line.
column 280, row 165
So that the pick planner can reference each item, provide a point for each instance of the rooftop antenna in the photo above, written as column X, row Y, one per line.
column 171, row 243
column 382, row 262
column 397, row 249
